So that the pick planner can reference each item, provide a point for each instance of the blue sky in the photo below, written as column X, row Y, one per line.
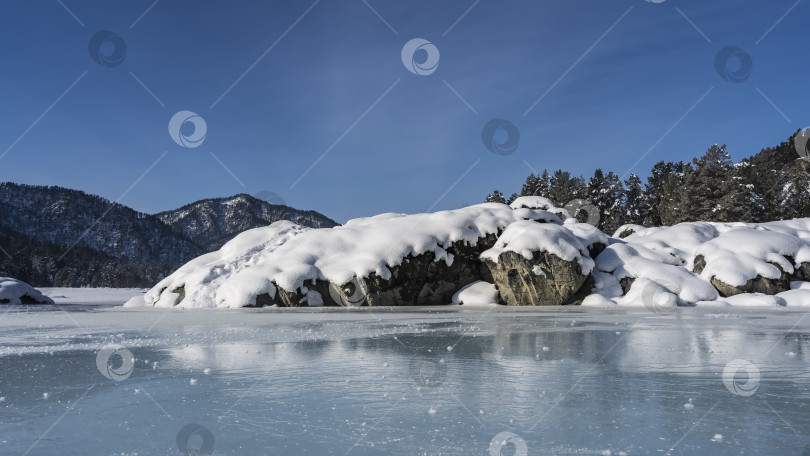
column 326, row 80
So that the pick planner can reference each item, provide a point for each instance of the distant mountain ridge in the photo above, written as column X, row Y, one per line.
column 212, row 222
column 54, row 236
column 66, row 217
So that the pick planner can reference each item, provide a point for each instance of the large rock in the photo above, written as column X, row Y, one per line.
column 385, row 260
column 431, row 278
column 748, row 259
column 536, row 264
column 801, row 271
column 14, row 292
column 758, row 284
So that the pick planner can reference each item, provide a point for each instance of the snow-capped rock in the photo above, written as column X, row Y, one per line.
column 388, row 259
column 14, row 292
column 525, row 252
column 535, row 264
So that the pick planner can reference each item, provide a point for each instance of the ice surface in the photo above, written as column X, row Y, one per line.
column 92, row 296
column 361, row 381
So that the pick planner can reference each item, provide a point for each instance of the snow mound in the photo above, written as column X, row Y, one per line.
column 645, row 265
column 741, row 254
column 587, row 233
column 532, row 202
column 660, row 261
column 14, row 292
column 796, row 298
column 477, row 294
column 541, row 203
column 754, row 300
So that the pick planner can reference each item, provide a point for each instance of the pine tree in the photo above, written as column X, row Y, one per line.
column 495, row 197
column 536, row 185
column 529, row 186
column 774, row 184
column 563, row 188
column 606, row 193
column 663, row 192
column 795, row 190
column 636, row 204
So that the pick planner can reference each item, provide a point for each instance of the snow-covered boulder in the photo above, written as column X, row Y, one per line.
column 385, row 260
column 534, row 264
column 627, row 230
column 633, row 274
column 752, row 260
column 14, row 292
column 541, row 203
column 702, row 263
column 595, row 241
column 523, row 254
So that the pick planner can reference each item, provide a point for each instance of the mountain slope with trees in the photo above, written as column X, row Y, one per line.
column 211, row 223
column 53, row 236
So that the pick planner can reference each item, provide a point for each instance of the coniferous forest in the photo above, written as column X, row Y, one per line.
column 774, row 184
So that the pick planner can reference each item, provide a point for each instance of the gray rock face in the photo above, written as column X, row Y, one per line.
column 801, row 272
column 519, row 285
column 418, row 280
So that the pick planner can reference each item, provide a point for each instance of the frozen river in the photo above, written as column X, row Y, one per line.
column 95, row 379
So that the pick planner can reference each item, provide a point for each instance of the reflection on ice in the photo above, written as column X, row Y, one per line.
column 560, row 381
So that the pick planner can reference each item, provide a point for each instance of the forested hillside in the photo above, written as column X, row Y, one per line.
column 774, row 184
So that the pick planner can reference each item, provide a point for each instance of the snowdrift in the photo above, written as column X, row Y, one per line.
column 532, row 253
column 14, row 292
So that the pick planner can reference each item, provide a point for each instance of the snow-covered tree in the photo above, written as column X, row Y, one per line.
column 536, row 185
column 495, row 197
column 563, row 188
column 636, row 205
column 605, row 191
